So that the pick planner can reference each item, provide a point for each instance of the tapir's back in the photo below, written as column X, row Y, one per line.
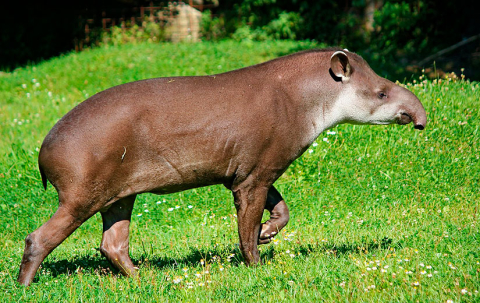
column 178, row 105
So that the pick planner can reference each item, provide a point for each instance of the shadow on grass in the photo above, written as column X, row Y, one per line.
column 98, row 264
column 198, row 257
column 95, row 263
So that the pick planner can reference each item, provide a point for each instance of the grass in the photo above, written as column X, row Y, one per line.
column 378, row 214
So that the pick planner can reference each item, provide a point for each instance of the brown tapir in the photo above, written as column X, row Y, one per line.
column 241, row 128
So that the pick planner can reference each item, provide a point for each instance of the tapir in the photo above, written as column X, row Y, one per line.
column 241, row 128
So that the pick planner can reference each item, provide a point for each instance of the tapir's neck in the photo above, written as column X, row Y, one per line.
column 326, row 105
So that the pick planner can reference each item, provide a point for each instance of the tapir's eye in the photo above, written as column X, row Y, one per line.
column 382, row 95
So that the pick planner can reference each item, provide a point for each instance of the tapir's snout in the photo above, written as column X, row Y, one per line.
column 418, row 122
column 419, row 116
column 412, row 111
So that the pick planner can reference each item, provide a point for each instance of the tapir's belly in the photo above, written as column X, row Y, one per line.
column 170, row 179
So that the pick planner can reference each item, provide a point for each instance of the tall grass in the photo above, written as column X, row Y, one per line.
column 377, row 213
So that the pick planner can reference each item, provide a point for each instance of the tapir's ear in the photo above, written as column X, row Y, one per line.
column 340, row 65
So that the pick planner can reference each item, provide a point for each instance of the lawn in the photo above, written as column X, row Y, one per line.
column 378, row 213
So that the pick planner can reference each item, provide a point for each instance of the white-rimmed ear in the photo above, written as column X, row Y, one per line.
column 340, row 65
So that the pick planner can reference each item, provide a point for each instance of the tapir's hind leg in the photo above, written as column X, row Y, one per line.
column 116, row 222
column 279, row 216
column 41, row 242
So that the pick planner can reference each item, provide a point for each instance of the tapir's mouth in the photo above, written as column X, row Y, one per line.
column 404, row 119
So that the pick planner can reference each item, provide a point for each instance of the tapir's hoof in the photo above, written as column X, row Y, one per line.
column 269, row 230
column 279, row 217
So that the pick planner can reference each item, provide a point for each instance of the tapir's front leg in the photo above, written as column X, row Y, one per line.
column 279, row 216
column 250, row 203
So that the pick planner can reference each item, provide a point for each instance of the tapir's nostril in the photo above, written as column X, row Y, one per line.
column 419, row 127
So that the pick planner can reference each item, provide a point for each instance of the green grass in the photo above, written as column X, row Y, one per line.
column 378, row 214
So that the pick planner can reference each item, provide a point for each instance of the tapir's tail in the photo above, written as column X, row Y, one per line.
column 44, row 178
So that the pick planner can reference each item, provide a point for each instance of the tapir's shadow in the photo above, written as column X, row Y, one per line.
column 98, row 264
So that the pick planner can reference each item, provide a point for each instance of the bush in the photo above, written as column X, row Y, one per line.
column 148, row 32
column 246, row 33
column 212, row 28
column 403, row 33
column 286, row 26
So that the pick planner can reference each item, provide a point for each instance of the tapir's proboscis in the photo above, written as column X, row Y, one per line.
column 241, row 128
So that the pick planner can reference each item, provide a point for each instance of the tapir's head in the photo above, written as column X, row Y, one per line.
column 367, row 98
